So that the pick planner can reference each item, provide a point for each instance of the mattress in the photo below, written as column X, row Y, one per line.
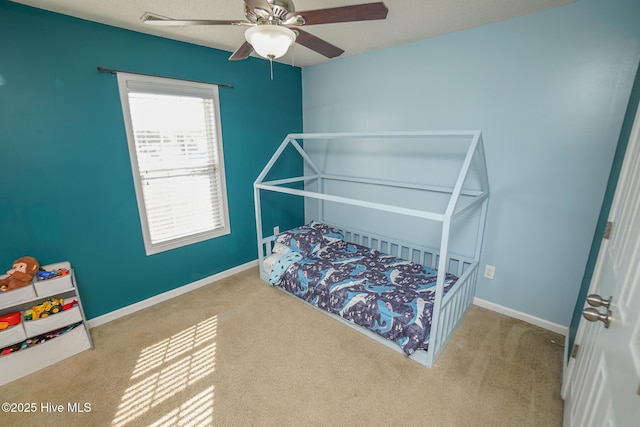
column 389, row 296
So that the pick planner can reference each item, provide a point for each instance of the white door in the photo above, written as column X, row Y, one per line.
column 602, row 386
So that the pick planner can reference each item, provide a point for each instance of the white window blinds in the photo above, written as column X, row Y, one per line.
column 174, row 133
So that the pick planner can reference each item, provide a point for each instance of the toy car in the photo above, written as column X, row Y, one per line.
column 45, row 275
column 51, row 306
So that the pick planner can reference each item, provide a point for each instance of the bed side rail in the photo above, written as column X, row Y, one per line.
column 455, row 305
column 267, row 245
column 265, row 249
column 424, row 255
column 456, row 264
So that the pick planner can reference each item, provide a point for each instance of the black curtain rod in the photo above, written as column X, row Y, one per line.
column 114, row 72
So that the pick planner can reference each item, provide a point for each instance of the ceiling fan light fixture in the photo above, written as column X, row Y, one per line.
column 270, row 41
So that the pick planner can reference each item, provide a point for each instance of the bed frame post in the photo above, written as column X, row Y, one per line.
column 434, row 335
column 320, row 201
column 485, row 204
column 256, row 199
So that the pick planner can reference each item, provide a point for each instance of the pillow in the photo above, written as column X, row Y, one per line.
column 279, row 248
column 270, row 261
column 329, row 234
column 283, row 263
column 307, row 239
column 277, row 252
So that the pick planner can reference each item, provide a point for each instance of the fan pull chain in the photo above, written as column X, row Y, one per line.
column 293, row 55
column 271, row 66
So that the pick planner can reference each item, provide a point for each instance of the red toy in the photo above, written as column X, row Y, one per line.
column 9, row 319
column 69, row 305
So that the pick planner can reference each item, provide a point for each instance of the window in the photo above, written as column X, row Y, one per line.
column 175, row 145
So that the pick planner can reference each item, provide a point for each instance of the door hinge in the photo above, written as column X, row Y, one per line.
column 607, row 230
column 574, row 351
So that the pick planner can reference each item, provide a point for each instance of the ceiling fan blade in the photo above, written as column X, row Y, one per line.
column 316, row 44
column 152, row 20
column 242, row 52
column 359, row 12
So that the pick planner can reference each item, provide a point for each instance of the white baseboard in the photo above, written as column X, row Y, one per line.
column 121, row 312
column 545, row 324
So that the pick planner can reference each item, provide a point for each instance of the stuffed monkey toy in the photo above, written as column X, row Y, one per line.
column 21, row 274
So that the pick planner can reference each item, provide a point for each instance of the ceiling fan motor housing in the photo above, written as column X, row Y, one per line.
column 281, row 8
column 279, row 12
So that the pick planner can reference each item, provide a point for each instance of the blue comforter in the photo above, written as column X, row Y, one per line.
column 387, row 295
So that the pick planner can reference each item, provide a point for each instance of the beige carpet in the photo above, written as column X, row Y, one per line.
column 241, row 353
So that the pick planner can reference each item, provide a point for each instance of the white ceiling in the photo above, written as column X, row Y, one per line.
column 407, row 21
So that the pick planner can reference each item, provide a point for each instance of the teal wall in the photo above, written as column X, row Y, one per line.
column 549, row 91
column 66, row 190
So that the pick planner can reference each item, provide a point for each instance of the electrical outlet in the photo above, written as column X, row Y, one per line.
column 276, row 230
column 489, row 271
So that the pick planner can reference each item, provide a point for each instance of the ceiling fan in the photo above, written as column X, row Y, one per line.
column 270, row 22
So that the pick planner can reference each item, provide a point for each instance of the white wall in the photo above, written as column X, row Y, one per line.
column 548, row 90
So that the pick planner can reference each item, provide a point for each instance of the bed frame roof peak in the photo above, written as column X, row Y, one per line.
column 474, row 153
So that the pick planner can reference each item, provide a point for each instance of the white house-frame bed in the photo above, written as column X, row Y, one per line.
column 466, row 195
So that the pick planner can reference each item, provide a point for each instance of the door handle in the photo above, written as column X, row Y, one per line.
column 593, row 315
column 595, row 300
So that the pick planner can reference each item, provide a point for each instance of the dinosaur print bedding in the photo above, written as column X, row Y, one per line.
column 385, row 294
